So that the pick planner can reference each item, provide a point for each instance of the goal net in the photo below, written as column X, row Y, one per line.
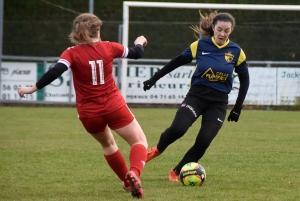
column 260, row 31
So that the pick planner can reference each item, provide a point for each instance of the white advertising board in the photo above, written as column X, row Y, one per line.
column 172, row 88
column 262, row 89
column 288, row 86
column 14, row 75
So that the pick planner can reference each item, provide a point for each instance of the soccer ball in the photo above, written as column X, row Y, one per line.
column 192, row 174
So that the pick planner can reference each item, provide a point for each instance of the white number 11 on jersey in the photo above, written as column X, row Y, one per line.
column 94, row 71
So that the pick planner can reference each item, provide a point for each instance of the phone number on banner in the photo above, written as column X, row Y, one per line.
column 155, row 98
column 10, row 92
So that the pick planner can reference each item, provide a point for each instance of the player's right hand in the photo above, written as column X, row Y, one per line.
column 148, row 84
column 141, row 40
column 234, row 114
column 26, row 90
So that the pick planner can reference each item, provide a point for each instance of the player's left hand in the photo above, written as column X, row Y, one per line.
column 234, row 114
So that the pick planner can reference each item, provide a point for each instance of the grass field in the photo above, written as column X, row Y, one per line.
column 45, row 154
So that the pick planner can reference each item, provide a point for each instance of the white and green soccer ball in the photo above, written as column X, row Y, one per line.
column 192, row 174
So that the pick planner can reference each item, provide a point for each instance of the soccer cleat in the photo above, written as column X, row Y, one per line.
column 127, row 189
column 135, row 184
column 173, row 176
column 152, row 153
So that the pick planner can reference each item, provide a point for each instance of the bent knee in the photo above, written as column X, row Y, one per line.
column 177, row 130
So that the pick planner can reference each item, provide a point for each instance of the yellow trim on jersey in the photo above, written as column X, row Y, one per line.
column 193, row 73
column 193, row 48
column 220, row 46
column 242, row 58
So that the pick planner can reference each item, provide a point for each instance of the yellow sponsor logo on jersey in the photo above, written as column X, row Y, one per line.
column 229, row 57
column 213, row 77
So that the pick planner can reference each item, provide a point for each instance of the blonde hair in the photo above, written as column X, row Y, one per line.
column 85, row 29
column 208, row 21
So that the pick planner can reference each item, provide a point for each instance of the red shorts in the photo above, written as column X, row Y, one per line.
column 115, row 120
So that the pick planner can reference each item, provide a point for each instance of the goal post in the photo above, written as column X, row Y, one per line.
column 128, row 4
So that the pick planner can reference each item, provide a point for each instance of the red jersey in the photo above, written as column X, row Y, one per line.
column 92, row 71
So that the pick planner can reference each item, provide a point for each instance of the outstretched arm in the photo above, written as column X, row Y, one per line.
column 46, row 79
column 169, row 67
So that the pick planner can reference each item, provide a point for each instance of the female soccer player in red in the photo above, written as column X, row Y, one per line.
column 100, row 105
column 216, row 59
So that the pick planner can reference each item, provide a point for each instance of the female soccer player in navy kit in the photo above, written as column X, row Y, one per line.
column 100, row 105
column 216, row 59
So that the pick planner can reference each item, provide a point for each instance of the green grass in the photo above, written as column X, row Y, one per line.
column 45, row 154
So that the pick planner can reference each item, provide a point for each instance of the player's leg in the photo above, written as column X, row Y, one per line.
column 130, row 130
column 100, row 131
column 212, row 121
column 135, row 137
column 185, row 116
column 178, row 128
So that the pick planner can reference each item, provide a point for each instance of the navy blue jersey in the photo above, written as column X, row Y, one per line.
column 215, row 63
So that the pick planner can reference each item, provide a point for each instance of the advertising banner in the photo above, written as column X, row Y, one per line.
column 14, row 75
column 171, row 88
column 262, row 89
column 268, row 86
column 288, row 86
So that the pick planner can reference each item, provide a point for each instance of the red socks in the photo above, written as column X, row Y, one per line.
column 137, row 157
column 118, row 164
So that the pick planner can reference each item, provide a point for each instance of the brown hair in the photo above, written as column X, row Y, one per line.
column 208, row 21
column 85, row 28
